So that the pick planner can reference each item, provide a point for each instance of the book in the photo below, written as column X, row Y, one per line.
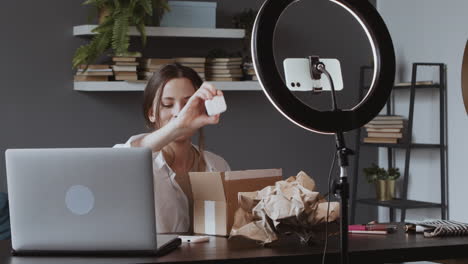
column 225, row 63
column 224, row 71
column 223, row 67
column 124, row 59
column 199, row 69
column 385, row 135
column 126, row 78
column 126, row 73
column 383, row 126
column 95, row 73
column 190, row 60
column 124, row 63
column 417, row 83
column 86, row 78
column 94, row 70
column 380, row 140
column 236, row 59
column 388, row 117
column 386, row 122
column 384, row 130
column 117, row 68
column 94, row 67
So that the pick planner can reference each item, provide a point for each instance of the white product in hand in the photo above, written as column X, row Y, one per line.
column 215, row 106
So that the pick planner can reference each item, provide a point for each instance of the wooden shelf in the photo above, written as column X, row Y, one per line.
column 399, row 203
column 232, row 33
column 413, row 145
column 123, row 86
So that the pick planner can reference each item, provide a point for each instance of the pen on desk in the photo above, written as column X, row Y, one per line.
column 373, row 227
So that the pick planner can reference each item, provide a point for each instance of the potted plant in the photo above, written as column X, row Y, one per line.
column 384, row 181
column 112, row 32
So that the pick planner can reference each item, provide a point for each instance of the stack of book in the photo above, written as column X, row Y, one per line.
column 94, row 73
column 250, row 71
column 196, row 63
column 224, row 69
column 384, row 129
column 148, row 66
column 125, row 68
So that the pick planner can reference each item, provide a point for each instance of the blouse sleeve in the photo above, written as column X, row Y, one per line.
column 128, row 144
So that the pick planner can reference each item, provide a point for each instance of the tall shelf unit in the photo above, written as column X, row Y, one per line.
column 178, row 32
column 403, row 203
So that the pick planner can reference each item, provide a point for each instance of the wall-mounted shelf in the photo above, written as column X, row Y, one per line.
column 122, row 86
column 86, row 30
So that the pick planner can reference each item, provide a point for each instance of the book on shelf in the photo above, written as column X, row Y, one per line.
column 380, row 140
column 124, row 63
column 225, row 64
column 254, row 78
column 213, row 60
column 388, row 117
column 95, row 73
column 417, row 83
column 124, row 59
column 125, row 73
column 118, row 68
column 126, row 78
column 209, row 67
column 386, row 122
column 94, row 67
column 384, row 130
column 225, row 71
column 383, row 126
column 369, row 232
column 87, row 78
column 190, row 60
column 384, row 135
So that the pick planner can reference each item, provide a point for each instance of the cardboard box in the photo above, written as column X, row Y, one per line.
column 215, row 196
column 190, row 14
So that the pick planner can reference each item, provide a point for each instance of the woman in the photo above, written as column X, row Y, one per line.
column 174, row 110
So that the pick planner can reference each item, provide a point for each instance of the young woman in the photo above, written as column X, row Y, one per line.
column 174, row 110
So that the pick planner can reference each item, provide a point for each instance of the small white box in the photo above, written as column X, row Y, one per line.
column 215, row 106
column 190, row 14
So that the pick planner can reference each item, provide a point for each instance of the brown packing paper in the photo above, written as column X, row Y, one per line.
column 216, row 196
column 291, row 204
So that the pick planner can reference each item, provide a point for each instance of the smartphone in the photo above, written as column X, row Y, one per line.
column 297, row 73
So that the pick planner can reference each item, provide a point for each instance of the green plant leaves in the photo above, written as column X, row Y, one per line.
column 113, row 31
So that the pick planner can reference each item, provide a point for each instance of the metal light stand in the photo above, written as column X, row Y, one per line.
column 340, row 188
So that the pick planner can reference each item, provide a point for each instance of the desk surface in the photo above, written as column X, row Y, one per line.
column 398, row 247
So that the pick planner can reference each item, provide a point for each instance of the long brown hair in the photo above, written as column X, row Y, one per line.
column 153, row 93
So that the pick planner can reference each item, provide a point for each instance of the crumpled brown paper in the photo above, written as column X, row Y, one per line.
column 291, row 204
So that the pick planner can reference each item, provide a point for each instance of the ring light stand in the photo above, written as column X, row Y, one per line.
column 336, row 121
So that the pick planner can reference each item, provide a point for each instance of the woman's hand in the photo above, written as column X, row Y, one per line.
column 193, row 116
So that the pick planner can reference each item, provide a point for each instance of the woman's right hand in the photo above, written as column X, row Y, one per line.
column 193, row 116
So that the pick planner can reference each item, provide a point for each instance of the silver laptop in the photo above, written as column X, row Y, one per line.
column 81, row 200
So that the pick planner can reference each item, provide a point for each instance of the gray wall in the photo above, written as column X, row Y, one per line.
column 433, row 31
column 39, row 109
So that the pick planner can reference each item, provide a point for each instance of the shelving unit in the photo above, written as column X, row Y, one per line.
column 403, row 203
column 86, row 30
column 121, row 86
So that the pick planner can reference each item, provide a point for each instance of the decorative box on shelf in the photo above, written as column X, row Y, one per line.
column 190, row 14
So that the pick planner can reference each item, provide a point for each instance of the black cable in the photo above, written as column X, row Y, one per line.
column 328, row 207
column 321, row 67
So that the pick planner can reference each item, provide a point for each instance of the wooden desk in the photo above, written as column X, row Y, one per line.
column 398, row 247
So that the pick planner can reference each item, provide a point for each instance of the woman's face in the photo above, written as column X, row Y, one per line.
column 175, row 95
